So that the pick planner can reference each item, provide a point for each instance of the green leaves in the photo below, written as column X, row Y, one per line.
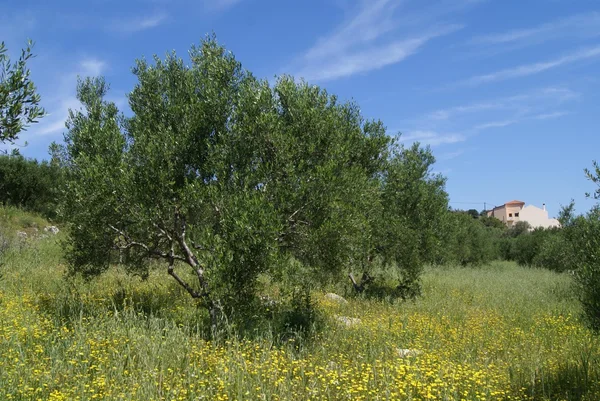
column 19, row 101
column 221, row 174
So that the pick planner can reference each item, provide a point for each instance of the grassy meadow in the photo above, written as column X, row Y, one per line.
column 497, row 332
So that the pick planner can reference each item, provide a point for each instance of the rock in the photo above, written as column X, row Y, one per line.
column 268, row 302
column 348, row 321
column 52, row 229
column 405, row 353
column 335, row 297
column 21, row 235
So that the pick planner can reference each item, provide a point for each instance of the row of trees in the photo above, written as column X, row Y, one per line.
column 223, row 177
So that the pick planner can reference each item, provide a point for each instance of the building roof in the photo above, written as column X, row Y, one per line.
column 512, row 202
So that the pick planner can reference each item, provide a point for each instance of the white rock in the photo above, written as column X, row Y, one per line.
column 21, row 234
column 268, row 301
column 405, row 353
column 348, row 321
column 335, row 297
column 52, row 229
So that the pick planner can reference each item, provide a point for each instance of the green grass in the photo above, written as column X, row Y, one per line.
column 491, row 333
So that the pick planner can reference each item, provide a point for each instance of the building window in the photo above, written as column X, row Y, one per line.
column 516, row 214
column 510, row 215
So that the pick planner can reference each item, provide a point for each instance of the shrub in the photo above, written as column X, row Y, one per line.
column 555, row 252
column 29, row 184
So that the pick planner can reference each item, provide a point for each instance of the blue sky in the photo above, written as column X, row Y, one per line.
column 505, row 92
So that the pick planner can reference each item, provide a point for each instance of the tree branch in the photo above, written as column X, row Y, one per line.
column 188, row 288
column 129, row 243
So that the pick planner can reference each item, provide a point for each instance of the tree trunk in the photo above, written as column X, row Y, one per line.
column 360, row 287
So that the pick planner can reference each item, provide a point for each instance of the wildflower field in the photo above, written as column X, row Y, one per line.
column 498, row 332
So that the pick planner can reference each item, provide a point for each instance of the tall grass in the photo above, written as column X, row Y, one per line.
column 498, row 332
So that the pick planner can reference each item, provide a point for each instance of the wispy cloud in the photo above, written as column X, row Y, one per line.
column 432, row 138
column 220, row 4
column 445, row 114
column 449, row 155
column 137, row 24
column 548, row 116
column 63, row 97
column 537, row 99
column 496, row 124
column 91, row 67
column 587, row 25
column 531, row 69
column 367, row 41
column 448, row 126
column 526, row 117
column 54, row 122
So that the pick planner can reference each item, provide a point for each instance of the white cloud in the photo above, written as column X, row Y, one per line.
column 587, row 24
column 364, row 60
column 531, row 69
column 496, row 124
column 138, row 24
column 54, row 122
column 220, row 4
column 536, row 99
column 432, row 138
column 548, row 116
column 91, row 67
column 367, row 41
column 63, row 98
column 445, row 114
column 525, row 117
column 449, row 155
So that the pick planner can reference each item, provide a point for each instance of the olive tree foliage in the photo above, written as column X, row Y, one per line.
column 594, row 176
column 19, row 101
column 583, row 232
column 407, row 225
column 220, row 176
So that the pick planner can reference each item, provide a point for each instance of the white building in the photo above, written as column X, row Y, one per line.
column 512, row 212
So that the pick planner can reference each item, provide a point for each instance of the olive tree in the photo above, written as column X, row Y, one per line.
column 19, row 101
column 219, row 175
column 174, row 182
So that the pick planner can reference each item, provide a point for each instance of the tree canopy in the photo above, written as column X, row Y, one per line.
column 225, row 177
column 19, row 101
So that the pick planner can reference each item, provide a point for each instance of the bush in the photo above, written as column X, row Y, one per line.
column 29, row 184
column 555, row 252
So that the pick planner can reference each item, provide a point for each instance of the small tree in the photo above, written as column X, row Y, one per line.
column 218, row 175
column 19, row 101
column 473, row 213
column 407, row 228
